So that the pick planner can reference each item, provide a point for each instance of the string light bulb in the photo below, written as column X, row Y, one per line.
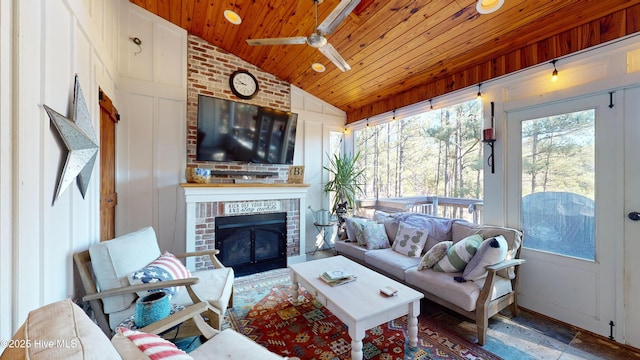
column 554, row 74
column 367, row 122
column 394, row 114
column 430, row 105
column 479, row 95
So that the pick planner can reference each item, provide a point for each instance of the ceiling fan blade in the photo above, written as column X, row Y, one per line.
column 337, row 16
column 278, row 41
column 330, row 52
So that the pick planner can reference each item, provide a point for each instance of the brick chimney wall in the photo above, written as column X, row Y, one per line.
column 208, row 71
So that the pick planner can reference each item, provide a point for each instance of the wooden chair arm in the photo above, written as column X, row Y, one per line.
column 211, row 253
column 140, row 287
column 505, row 264
column 190, row 312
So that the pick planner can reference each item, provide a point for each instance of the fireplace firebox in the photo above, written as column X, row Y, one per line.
column 252, row 243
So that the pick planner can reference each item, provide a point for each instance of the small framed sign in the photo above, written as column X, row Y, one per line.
column 296, row 174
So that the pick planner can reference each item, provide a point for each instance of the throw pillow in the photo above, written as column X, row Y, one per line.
column 410, row 240
column 166, row 267
column 490, row 252
column 435, row 254
column 354, row 230
column 132, row 344
column 459, row 254
column 375, row 235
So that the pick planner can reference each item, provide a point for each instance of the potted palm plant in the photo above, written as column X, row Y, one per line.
column 344, row 183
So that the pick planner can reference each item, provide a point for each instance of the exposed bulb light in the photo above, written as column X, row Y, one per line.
column 394, row 114
column 479, row 95
column 430, row 105
column 367, row 122
column 488, row 6
column 554, row 74
column 317, row 67
column 232, row 17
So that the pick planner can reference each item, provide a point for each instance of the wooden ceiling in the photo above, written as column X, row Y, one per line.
column 403, row 51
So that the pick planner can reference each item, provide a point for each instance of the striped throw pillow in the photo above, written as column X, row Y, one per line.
column 153, row 346
column 459, row 254
column 166, row 267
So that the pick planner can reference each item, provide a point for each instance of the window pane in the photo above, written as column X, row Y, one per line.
column 558, row 163
column 430, row 162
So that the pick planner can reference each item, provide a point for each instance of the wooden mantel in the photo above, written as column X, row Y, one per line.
column 223, row 192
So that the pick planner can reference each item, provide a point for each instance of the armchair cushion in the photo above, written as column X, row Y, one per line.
column 166, row 267
column 112, row 261
column 215, row 286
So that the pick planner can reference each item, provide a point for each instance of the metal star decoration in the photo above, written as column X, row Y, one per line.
column 80, row 138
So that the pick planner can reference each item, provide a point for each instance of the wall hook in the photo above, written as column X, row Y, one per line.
column 138, row 42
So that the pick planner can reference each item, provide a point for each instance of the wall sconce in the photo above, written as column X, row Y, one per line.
column 489, row 138
column 137, row 41
column 554, row 74
column 479, row 95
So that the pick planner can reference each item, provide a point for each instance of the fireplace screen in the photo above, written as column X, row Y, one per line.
column 252, row 243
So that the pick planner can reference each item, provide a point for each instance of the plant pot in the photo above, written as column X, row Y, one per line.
column 151, row 308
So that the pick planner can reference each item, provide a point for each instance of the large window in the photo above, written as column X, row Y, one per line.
column 558, row 183
column 433, row 156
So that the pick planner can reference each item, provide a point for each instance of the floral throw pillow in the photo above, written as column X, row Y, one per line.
column 376, row 236
column 355, row 227
column 410, row 240
column 437, row 252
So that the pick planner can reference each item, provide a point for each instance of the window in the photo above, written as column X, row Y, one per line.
column 558, row 184
column 430, row 162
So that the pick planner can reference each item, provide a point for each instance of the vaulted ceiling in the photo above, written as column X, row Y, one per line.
column 403, row 51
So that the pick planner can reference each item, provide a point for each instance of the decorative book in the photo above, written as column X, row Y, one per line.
column 337, row 274
column 337, row 282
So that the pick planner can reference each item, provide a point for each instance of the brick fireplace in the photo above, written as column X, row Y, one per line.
column 206, row 202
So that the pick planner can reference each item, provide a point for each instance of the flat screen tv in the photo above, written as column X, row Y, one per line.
column 234, row 131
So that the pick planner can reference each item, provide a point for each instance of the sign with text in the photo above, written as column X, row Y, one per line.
column 296, row 174
column 251, row 207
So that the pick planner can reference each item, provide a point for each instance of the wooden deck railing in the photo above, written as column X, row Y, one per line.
column 468, row 209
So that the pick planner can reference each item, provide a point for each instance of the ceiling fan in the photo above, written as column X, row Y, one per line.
column 317, row 39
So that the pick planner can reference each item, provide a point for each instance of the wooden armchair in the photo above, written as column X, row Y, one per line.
column 104, row 268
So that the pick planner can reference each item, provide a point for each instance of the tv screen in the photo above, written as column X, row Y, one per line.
column 234, row 131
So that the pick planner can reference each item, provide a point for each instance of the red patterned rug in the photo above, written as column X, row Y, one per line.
column 309, row 331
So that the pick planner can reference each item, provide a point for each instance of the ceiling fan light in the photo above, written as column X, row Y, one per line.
column 488, row 6
column 317, row 67
column 232, row 17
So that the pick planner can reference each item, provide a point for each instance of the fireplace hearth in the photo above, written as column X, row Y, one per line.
column 252, row 243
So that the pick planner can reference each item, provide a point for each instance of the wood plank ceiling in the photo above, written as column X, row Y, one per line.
column 403, row 51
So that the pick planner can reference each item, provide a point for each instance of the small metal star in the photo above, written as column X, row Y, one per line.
column 82, row 145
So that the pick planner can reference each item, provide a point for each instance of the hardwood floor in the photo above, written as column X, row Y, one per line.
column 527, row 336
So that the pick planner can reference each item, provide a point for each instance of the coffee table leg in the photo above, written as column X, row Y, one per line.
column 296, row 286
column 412, row 323
column 356, row 342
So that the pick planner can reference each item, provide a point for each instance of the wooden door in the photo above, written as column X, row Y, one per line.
column 108, row 197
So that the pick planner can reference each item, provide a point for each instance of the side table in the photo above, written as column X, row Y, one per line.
column 322, row 230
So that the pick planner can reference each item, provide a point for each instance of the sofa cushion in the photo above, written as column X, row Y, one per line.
column 166, row 267
column 391, row 262
column 410, row 240
column 490, row 252
column 71, row 332
column 461, row 230
column 351, row 249
column 435, row 254
column 133, row 344
column 459, row 254
column 375, row 235
column 112, row 261
column 445, row 287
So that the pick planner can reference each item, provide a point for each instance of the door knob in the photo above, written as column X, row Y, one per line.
column 634, row 215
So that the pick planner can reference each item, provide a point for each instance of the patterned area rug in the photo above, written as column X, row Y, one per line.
column 263, row 310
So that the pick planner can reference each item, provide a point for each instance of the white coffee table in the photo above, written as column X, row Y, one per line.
column 359, row 303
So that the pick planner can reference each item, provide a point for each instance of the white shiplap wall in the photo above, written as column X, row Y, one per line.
column 52, row 41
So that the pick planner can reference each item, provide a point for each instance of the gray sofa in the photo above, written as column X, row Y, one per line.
column 478, row 299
